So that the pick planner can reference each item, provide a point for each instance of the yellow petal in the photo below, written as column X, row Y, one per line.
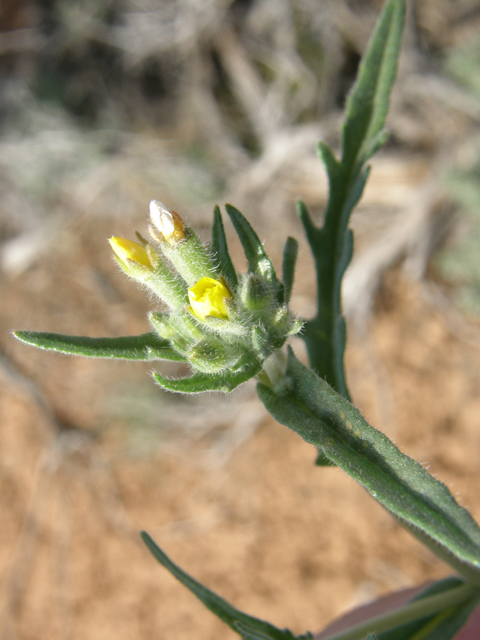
column 208, row 299
column 129, row 250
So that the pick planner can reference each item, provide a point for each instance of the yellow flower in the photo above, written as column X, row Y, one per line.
column 168, row 223
column 129, row 250
column 208, row 299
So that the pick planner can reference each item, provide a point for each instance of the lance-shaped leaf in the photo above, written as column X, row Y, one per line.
column 290, row 254
column 257, row 259
column 367, row 104
column 202, row 382
column 148, row 346
column 249, row 627
column 424, row 505
column 220, row 252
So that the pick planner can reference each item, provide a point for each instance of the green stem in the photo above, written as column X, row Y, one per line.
column 408, row 613
column 324, row 335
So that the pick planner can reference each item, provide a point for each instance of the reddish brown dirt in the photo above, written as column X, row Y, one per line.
column 276, row 536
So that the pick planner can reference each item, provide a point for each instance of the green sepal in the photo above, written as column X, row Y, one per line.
column 257, row 259
column 180, row 330
column 189, row 257
column 261, row 341
column 367, row 104
column 424, row 505
column 219, row 250
column 290, row 253
column 247, row 626
column 202, row 382
column 148, row 346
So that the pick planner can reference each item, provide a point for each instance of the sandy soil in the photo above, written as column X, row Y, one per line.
column 250, row 517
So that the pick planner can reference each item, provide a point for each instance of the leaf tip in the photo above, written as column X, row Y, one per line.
column 25, row 337
column 146, row 538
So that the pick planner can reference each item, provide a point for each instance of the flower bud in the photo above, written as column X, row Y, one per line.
column 168, row 224
column 255, row 293
column 128, row 250
column 208, row 298
column 285, row 324
column 180, row 244
column 176, row 326
column 208, row 355
column 145, row 265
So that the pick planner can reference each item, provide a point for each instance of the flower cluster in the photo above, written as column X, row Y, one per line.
column 223, row 324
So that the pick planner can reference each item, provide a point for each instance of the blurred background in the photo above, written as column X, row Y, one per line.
column 105, row 105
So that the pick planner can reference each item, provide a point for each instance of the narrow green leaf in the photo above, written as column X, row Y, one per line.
column 367, row 104
column 446, row 626
column 332, row 245
column 257, row 259
column 246, row 632
column 373, row 145
column 424, row 505
column 425, row 611
column 220, row 253
column 407, row 631
column 248, row 626
column 290, row 254
column 442, row 626
column 339, row 187
column 202, row 382
column 332, row 165
column 311, row 231
column 148, row 346
column 353, row 196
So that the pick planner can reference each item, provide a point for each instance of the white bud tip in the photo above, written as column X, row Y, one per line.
column 162, row 218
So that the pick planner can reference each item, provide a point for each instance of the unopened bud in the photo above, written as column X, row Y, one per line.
column 144, row 264
column 208, row 356
column 255, row 293
column 168, row 226
column 128, row 250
